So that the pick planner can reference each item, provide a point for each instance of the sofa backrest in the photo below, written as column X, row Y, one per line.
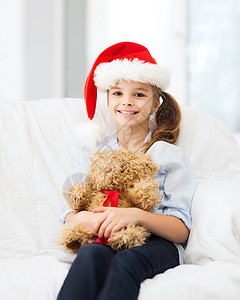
column 36, row 150
column 37, row 147
column 209, row 144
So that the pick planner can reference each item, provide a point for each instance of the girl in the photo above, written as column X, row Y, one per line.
column 135, row 87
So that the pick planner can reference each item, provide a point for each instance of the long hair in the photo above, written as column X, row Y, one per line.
column 167, row 119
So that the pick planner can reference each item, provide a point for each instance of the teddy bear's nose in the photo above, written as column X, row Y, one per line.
column 107, row 170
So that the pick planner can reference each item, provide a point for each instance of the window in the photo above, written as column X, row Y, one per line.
column 214, row 59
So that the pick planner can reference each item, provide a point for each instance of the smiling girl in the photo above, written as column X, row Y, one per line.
column 135, row 87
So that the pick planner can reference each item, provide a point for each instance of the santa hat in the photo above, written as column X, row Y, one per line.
column 128, row 61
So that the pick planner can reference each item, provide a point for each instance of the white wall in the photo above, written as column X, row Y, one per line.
column 75, row 45
column 11, row 49
column 31, row 49
column 44, row 48
column 160, row 25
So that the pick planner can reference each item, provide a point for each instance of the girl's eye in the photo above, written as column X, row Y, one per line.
column 139, row 95
column 117, row 93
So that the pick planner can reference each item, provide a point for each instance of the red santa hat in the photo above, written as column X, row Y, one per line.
column 128, row 61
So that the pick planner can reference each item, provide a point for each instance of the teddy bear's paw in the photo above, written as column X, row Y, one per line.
column 132, row 236
column 72, row 237
column 77, row 196
column 72, row 246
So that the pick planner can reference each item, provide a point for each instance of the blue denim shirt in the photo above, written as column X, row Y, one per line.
column 176, row 178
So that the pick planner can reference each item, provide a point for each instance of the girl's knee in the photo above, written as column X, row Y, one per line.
column 124, row 261
column 93, row 251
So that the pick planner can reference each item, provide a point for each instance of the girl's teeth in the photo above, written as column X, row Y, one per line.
column 127, row 112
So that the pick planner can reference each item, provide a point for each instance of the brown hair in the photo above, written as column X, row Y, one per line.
column 167, row 119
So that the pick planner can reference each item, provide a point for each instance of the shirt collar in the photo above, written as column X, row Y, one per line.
column 114, row 143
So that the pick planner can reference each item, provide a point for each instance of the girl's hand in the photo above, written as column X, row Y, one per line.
column 87, row 219
column 115, row 219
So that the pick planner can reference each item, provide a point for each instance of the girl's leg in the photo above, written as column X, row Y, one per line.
column 131, row 266
column 87, row 273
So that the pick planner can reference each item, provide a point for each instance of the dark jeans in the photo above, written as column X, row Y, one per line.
column 100, row 273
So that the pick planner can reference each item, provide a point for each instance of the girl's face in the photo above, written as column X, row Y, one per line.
column 131, row 103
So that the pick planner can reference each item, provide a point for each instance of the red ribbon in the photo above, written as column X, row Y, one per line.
column 112, row 196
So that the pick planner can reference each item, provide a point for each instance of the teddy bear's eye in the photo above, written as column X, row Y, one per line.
column 122, row 171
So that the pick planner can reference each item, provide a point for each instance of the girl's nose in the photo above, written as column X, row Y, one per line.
column 107, row 170
column 127, row 101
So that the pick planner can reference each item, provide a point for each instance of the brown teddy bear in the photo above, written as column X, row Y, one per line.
column 115, row 178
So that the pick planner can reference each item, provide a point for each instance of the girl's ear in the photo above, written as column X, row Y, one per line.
column 155, row 105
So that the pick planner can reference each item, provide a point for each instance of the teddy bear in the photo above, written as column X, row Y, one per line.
column 115, row 178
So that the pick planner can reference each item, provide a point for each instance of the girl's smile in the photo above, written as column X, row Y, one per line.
column 127, row 113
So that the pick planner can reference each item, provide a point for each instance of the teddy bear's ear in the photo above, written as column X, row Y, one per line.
column 145, row 163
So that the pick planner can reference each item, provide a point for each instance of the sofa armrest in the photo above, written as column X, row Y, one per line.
column 215, row 233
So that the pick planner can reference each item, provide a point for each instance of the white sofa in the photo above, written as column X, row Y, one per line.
column 37, row 146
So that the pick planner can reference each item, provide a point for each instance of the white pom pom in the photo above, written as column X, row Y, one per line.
column 89, row 135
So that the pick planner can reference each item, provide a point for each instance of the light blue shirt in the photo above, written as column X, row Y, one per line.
column 176, row 178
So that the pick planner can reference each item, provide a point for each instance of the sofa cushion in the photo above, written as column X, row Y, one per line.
column 34, row 278
column 215, row 233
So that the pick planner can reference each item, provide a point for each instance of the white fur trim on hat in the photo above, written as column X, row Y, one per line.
column 106, row 75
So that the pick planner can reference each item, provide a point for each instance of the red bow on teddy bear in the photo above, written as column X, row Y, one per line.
column 112, row 196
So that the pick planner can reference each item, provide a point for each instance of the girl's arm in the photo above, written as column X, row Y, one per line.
column 115, row 219
column 168, row 227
